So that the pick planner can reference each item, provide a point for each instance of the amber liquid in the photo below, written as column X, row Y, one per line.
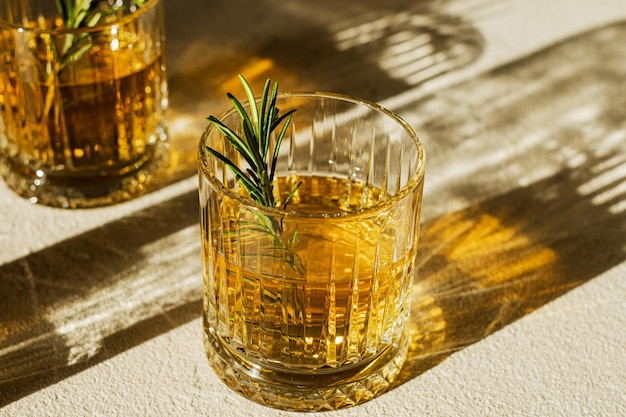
column 333, row 296
column 112, row 122
column 100, row 119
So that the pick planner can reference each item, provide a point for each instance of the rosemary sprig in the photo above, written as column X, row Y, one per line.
column 75, row 14
column 78, row 14
column 255, row 146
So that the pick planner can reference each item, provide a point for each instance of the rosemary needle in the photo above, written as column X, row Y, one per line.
column 78, row 14
column 254, row 145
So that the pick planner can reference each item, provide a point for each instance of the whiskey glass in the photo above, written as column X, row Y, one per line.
column 305, row 305
column 83, row 98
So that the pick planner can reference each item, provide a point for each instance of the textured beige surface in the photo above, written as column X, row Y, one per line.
column 519, row 309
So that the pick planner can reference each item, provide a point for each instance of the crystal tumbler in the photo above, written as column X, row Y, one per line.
column 83, row 95
column 305, row 305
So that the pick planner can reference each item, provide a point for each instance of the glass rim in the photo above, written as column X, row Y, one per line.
column 125, row 19
column 416, row 178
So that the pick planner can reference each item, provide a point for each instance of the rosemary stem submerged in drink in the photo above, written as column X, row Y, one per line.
column 259, row 146
column 341, row 310
column 305, row 305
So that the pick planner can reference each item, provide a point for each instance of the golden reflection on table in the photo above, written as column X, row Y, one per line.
column 525, row 196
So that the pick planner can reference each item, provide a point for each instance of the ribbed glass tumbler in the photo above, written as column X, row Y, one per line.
column 83, row 97
column 305, row 306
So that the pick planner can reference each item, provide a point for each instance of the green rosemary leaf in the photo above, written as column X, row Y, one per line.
column 79, row 46
column 245, row 182
column 253, row 175
column 253, row 146
column 266, row 185
column 78, row 19
column 250, row 136
column 264, row 141
column 237, row 142
column 290, row 196
column 80, row 14
column 269, row 227
column 94, row 19
column 245, row 119
column 279, row 142
column 280, row 119
column 272, row 114
column 62, row 9
column 254, row 192
column 293, row 239
column 254, row 112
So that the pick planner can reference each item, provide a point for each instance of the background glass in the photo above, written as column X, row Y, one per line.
column 305, row 307
column 82, row 103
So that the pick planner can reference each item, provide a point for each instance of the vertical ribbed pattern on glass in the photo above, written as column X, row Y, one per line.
column 354, row 339
column 332, row 307
column 100, row 113
column 324, row 289
column 207, row 215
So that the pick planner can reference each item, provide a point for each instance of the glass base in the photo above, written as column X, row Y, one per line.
column 78, row 190
column 302, row 392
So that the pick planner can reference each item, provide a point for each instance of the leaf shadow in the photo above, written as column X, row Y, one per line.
column 91, row 297
column 372, row 50
column 486, row 266
column 506, row 255
column 80, row 302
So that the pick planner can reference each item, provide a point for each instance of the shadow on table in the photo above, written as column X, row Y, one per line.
column 493, row 263
column 365, row 48
column 94, row 296
column 369, row 49
column 98, row 294
column 503, row 257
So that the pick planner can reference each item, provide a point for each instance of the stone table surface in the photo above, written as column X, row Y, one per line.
column 519, row 304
